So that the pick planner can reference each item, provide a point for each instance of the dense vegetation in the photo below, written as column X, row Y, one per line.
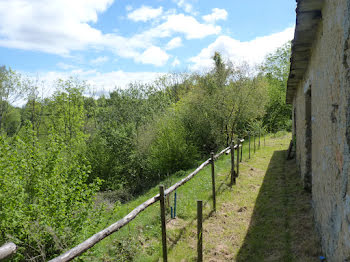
column 57, row 152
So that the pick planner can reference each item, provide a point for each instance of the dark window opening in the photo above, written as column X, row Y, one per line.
column 308, row 141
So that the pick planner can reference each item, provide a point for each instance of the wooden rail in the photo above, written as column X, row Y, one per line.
column 90, row 242
column 7, row 250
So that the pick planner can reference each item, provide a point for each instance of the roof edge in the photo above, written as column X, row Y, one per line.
column 308, row 17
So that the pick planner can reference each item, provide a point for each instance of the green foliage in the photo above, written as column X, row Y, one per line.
column 277, row 64
column 11, row 90
column 170, row 151
column 276, row 70
column 56, row 152
column 279, row 134
column 198, row 114
column 113, row 145
column 33, row 112
column 66, row 110
column 45, row 200
column 218, row 110
column 11, row 121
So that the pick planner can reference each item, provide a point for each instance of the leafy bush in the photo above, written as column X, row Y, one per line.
column 170, row 151
column 44, row 197
column 279, row 134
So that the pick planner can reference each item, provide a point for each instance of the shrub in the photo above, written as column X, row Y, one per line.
column 44, row 200
column 170, row 151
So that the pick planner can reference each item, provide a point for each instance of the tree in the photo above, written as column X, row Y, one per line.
column 277, row 64
column 11, row 90
column 11, row 121
column 170, row 150
column 276, row 70
column 66, row 109
column 120, row 119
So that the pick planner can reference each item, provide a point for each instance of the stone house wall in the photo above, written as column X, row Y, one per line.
column 327, row 168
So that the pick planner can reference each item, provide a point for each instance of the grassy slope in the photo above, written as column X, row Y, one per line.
column 265, row 217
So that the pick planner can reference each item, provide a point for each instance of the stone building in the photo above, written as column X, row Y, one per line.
column 319, row 90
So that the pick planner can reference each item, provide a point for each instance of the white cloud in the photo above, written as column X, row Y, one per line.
column 217, row 14
column 145, row 13
column 101, row 83
column 180, row 23
column 189, row 26
column 174, row 43
column 65, row 66
column 123, row 46
column 99, row 60
column 64, row 26
column 108, row 81
column 135, row 47
column 57, row 26
column 185, row 5
column 174, row 23
column 153, row 55
column 176, row 62
column 140, row 45
column 253, row 51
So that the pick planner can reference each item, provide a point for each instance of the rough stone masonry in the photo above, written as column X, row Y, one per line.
column 319, row 90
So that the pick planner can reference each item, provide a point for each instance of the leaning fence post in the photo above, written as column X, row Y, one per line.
column 213, row 178
column 162, row 217
column 200, row 230
column 233, row 179
column 238, row 142
column 249, row 146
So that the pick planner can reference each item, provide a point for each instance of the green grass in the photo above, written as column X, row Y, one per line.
column 258, row 219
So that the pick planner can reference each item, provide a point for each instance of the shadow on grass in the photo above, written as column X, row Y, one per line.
column 268, row 237
column 282, row 219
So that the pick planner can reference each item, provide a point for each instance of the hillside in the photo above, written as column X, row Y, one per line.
column 58, row 153
column 266, row 216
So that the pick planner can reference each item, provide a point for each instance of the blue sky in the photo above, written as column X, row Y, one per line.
column 113, row 42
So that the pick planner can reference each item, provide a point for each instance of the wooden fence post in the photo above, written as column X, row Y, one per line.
column 213, row 179
column 175, row 204
column 200, row 230
column 249, row 146
column 162, row 217
column 254, row 143
column 233, row 178
column 241, row 152
column 237, row 172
